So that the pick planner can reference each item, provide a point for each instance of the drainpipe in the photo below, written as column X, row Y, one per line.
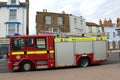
column 23, row 21
column 27, row 17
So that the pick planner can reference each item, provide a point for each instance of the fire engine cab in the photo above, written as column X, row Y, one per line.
column 32, row 52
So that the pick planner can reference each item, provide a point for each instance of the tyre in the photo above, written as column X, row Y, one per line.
column 27, row 66
column 83, row 62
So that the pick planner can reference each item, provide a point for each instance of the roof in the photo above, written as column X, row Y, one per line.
column 92, row 24
column 28, row 36
column 4, row 3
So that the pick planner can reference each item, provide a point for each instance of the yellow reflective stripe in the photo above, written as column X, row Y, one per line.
column 74, row 39
column 40, row 52
column 30, row 52
column 51, row 51
column 57, row 40
column 33, row 52
column 79, row 39
column 104, row 38
column 17, row 53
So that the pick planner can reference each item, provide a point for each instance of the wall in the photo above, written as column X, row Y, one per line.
column 77, row 24
column 4, row 17
column 42, row 26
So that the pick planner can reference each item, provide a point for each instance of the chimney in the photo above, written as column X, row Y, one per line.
column 44, row 10
column 63, row 12
column 118, row 22
column 100, row 23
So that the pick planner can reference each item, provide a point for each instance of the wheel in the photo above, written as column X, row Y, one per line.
column 27, row 66
column 83, row 62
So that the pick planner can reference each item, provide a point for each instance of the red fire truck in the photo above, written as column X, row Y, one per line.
column 32, row 52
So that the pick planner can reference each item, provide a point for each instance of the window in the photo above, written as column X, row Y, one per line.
column 75, row 21
column 60, row 20
column 98, row 29
column 11, row 29
column 13, row 1
column 17, row 44
column 41, row 43
column 12, row 14
column 81, row 22
column 48, row 19
column 90, row 29
column 114, row 35
column 56, row 30
column 29, row 42
column 3, row 50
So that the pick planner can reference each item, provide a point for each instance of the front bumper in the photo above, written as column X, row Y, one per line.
column 10, row 65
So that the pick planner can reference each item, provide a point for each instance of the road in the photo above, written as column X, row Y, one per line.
column 109, row 70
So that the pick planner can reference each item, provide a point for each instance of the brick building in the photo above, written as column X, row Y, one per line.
column 118, row 22
column 52, row 22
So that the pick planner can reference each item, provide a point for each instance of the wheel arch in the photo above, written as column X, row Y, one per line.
column 84, row 57
column 27, row 60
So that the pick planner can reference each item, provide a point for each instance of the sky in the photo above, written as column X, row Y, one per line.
column 91, row 10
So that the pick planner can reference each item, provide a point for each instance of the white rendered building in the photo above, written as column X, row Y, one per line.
column 77, row 24
column 13, row 18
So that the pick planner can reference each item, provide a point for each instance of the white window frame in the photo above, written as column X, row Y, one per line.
column 12, row 14
column 13, row 1
column 90, row 29
column 98, row 29
column 81, row 22
column 48, row 20
column 60, row 20
column 14, row 30
column 53, row 30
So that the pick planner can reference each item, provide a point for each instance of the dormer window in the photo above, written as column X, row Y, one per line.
column 13, row 1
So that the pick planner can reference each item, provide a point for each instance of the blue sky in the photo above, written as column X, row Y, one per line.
column 91, row 10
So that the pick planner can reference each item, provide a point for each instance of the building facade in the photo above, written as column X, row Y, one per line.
column 111, row 28
column 52, row 22
column 13, row 18
column 77, row 24
column 93, row 28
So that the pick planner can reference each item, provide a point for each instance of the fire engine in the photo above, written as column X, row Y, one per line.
column 32, row 52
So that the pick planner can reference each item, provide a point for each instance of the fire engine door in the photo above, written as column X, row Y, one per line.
column 64, row 54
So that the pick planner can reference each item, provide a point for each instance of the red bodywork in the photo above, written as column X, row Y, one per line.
column 32, row 57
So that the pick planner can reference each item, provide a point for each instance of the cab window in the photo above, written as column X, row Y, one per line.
column 41, row 43
column 29, row 42
column 17, row 44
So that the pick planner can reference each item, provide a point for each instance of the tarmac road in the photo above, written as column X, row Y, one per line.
column 109, row 70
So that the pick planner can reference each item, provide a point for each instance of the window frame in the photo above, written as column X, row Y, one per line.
column 60, row 20
column 48, row 20
column 18, row 47
column 31, row 43
column 12, row 14
column 13, row 1
column 57, row 29
column 16, row 27
column 44, row 43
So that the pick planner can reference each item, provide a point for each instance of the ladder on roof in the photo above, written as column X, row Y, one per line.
column 63, row 34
